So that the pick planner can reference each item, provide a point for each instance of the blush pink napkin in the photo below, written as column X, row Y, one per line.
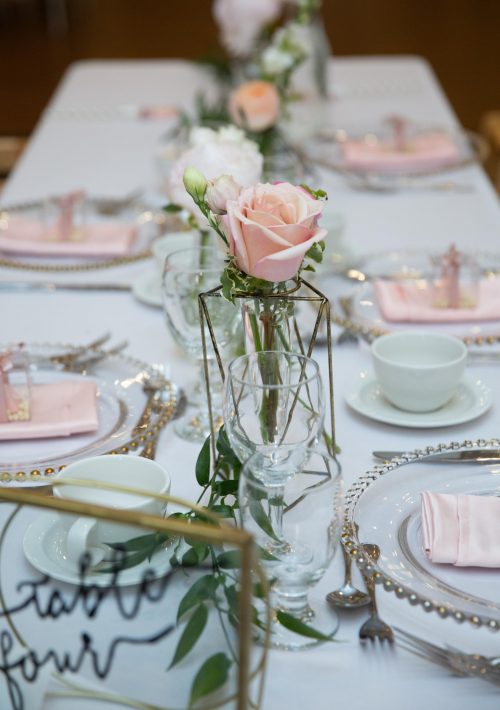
column 25, row 236
column 57, row 409
column 426, row 151
column 407, row 303
column 461, row 530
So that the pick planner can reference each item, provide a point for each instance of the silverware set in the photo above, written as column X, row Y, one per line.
column 459, row 663
column 82, row 358
column 350, row 597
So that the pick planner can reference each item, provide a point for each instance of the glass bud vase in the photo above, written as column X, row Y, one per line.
column 268, row 320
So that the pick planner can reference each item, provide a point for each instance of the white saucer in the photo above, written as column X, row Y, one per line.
column 45, row 548
column 147, row 289
column 471, row 399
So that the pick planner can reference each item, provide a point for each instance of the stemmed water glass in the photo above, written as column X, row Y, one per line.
column 273, row 404
column 295, row 522
column 186, row 274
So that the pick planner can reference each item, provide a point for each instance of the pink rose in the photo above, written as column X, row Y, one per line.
column 255, row 105
column 221, row 190
column 241, row 22
column 270, row 229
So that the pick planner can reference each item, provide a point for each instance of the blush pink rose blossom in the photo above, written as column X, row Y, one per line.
column 271, row 227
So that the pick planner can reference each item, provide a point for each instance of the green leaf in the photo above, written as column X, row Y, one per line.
column 203, row 589
column 203, row 464
column 315, row 253
column 232, row 597
column 227, row 286
column 223, row 511
column 229, row 560
column 259, row 515
column 212, row 674
column 191, row 634
column 195, row 555
column 172, row 208
column 298, row 627
column 225, row 488
column 127, row 562
column 139, row 543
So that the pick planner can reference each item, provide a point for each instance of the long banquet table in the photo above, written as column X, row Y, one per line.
column 79, row 143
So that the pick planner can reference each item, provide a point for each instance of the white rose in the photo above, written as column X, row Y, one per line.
column 214, row 158
column 241, row 21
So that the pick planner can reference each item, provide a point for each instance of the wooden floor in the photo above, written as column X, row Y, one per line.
column 461, row 39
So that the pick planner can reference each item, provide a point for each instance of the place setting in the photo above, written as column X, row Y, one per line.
column 421, row 527
column 62, row 403
column 397, row 154
column 76, row 232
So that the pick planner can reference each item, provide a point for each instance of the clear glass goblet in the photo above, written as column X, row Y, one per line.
column 296, row 523
column 186, row 274
column 274, row 404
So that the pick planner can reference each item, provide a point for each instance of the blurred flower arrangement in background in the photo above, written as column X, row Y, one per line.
column 268, row 43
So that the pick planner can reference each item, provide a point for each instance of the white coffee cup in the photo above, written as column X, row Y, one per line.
column 87, row 535
column 418, row 371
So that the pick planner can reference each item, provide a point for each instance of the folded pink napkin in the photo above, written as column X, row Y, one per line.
column 407, row 302
column 158, row 113
column 57, row 409
column 461, row 530
column 425, row 151
column 25, row 236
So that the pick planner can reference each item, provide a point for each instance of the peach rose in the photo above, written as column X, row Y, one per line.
column 255, row 105
column 271, row 227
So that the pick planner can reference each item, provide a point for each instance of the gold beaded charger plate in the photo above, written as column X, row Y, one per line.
column 363, row 315
column 326, row 148
column 385, row 503
column 134, row 403
column 134, row 213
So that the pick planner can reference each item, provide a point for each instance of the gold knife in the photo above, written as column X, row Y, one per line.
column 483, row 456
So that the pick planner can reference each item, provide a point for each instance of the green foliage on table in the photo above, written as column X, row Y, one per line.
column 218, row 588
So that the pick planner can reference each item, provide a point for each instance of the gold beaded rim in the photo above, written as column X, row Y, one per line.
column 42, row 474
column 354, row 548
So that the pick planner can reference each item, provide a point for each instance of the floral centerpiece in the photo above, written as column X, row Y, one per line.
column 271, row 234
column 268, row 229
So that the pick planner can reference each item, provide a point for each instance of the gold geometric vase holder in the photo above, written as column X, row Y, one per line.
column 302, row 291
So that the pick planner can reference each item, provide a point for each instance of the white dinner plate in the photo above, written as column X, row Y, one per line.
column 44, row 545
column 147, row 289
column 471, row 399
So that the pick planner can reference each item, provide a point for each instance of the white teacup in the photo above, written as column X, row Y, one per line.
column 418, row 371
column 173, row 241
column 86, row 535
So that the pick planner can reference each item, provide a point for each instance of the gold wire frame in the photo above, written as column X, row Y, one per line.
column 321, row 305
column 223, row 534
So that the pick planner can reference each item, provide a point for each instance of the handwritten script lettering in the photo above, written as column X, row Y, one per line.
column 87, row 599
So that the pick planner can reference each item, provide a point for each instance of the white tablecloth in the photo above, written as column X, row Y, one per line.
column 113, row 155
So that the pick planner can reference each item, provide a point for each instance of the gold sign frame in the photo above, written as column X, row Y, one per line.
column 220, row 534
column 321, row 305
